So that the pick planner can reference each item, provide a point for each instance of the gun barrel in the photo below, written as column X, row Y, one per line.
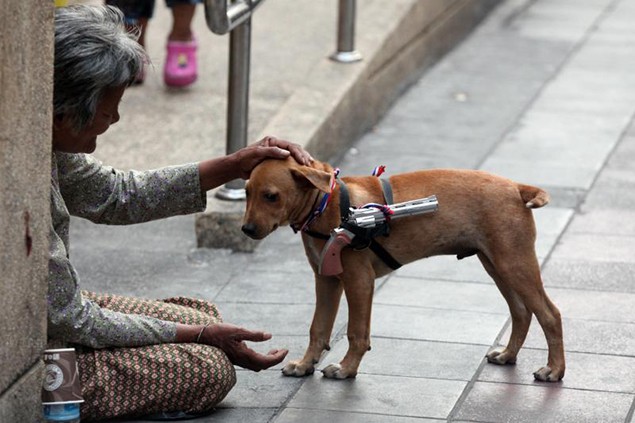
column 415, row 207
column 371, row 217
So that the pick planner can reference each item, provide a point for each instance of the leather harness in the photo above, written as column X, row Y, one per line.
column 364, row 237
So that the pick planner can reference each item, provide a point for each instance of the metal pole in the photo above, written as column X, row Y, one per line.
column 346, row 52
column 237, row 103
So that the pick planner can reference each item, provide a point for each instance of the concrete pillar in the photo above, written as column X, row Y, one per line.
column 26, row 87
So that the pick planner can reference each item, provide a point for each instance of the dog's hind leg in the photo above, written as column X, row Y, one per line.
column 521, row 274
column 521, row 318
column 328, row 292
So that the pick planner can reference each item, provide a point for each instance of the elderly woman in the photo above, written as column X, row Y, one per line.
column 136, row 357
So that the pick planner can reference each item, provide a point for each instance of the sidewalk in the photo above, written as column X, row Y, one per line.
column 542, row 92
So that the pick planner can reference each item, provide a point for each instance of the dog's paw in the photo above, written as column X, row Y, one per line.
column 501, row 357
column 297, row 369
column 335, row 371
column 547, row 374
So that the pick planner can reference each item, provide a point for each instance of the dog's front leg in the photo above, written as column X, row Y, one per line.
column 328, row 292
column 359, row 295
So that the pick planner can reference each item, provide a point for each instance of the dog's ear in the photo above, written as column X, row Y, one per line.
column 307, row 177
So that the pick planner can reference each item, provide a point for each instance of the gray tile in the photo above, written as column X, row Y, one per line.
column 594, row 305
column 285, row 319
column 499, row 402
column 613, row 189
column 580, row 274
column 604, row 222
column 447, row 268
column 402, row 357
column 390, row 395
column 565, row 197
column 592, row 372
column 294, row 415
column 231, row 415
column 268, row 258
column 266, row 389
column 596, row 248
column 442, row 294
column 587, row 336
column 551, row 220
column 292, row 286
column 436, row 325
column 541, row 173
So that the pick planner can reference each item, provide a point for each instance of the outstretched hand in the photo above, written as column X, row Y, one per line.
column 231, row 339
column 269, row 148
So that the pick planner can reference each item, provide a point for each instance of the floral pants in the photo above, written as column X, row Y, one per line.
column 128, row 382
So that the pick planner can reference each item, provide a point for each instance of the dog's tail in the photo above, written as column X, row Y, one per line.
column 533, row 197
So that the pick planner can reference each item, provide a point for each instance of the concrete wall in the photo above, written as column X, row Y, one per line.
column 26, row 78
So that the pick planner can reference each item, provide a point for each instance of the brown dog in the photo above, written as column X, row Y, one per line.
column 479, row 213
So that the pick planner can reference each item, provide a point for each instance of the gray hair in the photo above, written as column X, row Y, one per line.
column 93, row 51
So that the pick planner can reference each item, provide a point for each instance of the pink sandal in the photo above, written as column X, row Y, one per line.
column 180, row 68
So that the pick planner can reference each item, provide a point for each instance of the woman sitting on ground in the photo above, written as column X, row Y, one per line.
column 136, row 357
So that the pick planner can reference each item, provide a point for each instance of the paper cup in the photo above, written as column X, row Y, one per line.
column 61, row 383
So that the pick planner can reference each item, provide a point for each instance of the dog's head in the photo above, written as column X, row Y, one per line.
column 282, row 192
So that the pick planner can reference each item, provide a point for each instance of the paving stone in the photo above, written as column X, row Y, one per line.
column 542, row 173
column 269, row 259
column 499, row 402
column 266, row 389
column 436, row 325
column 613, row 189
column 449, row 268
column 587, row 336
column 604, row 222
column 538, row 19
column 394, row 396
column 593, row 372
column 442, row 294
column 565, row 197
column 231, row 415
column 403, row 357
column 294, row 415
column 550, row 222
column 581, row 274
column 278, row 319
column 153, row 260
column 277, row 287
column 596, row 248
column 594, row 305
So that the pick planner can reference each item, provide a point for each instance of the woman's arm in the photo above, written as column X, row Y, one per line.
column 103, row 194
column 231, row 339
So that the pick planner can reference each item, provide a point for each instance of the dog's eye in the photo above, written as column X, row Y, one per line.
column 272, row 198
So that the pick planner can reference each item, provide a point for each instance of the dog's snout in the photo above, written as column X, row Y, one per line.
column 249, row 229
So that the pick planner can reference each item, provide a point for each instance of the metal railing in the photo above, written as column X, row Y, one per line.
column 234, row 17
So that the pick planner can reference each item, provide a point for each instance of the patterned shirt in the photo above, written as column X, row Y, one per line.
column 82, row 186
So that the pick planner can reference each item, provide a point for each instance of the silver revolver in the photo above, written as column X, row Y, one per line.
column 368, row 217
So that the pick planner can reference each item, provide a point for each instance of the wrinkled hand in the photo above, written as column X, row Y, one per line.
column 231, row 339
column 269, row 148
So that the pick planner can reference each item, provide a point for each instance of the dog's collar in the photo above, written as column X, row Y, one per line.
column 317, row 211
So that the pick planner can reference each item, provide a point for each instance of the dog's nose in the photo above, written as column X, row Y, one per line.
column 249, row 229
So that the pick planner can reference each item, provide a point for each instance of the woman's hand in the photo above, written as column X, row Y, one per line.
column 215, row 172
column 269, row 148
column 231, row 339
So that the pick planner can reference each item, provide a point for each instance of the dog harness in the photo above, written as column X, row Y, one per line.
column 364, row 237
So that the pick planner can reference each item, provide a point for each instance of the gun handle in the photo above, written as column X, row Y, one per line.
column 331, row 257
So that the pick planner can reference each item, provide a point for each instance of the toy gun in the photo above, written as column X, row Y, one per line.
column 368, row 217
